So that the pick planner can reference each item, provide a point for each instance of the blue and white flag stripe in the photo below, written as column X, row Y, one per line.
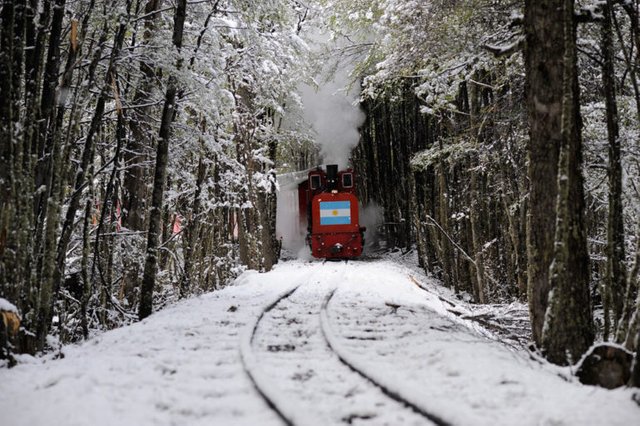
column 335, row 205
column 335, row 213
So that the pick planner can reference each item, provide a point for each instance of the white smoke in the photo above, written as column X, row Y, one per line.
column 334, row 117
column 331, row 105
column 372, row 217
column 288, row 228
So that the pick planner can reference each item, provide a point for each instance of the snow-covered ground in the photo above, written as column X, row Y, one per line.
column 184, row 365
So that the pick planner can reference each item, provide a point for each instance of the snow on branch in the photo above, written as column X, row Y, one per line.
column 590, row 13
column 505, row 49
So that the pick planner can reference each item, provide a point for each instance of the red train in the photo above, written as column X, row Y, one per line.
column 329, row 207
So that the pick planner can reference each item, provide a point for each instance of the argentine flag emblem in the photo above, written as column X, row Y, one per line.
column 335, row 212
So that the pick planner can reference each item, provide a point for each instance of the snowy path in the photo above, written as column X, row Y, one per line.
column 184, row 365
column 301, row 375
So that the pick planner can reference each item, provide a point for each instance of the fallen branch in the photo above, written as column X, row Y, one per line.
column 456, row 245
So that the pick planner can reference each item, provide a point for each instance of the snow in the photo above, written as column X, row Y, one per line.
column 184, row 364
column 179, row 366
column 7, row 306
column 453, row 370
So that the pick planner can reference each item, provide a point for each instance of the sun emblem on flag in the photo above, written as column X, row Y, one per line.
column 335, row 212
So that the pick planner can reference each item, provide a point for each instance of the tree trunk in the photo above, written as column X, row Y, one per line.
column 160, row 176
column 629, row 324
column 135, row 154
column 43, row 143
column 475, row 202
column 568, row 329
column 192, row 230
column 633, row 326
column 443, row 218
column 7, row 176
column 16, row 220
column 615, row 275
column 544, row 56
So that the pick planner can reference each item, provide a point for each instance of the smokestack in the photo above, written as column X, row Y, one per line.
column 332, row 177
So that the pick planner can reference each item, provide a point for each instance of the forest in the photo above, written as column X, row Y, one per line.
column 140, row 142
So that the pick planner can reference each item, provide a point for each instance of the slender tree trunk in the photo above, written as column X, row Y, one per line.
column 629, row 324
column 635, row 374
column 7, row 148
column 135, row 155
column 155, row 217
column 24, row 222
column 509, row 206
column 160, row 177
column 46, row 113
column 629, row 335
column 268, row 199
column 107, row 213
column 192, row 231
column 86, row 279
column 615, row 275
column 15, row 194
column 443, row 218
column 34, row 65
column 475, row 213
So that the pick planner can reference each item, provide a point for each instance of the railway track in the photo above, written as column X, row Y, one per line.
column 298, row 366
column 350, row 362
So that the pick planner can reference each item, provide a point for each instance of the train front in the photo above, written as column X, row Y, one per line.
column 334, row 231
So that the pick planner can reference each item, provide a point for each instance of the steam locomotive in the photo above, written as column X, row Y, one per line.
column 329, row 207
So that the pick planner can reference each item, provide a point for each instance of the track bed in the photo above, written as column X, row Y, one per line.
column 304, row 379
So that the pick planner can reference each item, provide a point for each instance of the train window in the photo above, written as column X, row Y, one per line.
column 315, row 181
column 347, row 180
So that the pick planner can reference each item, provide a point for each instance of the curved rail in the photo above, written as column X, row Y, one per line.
column 391, row 393
column 289, row 415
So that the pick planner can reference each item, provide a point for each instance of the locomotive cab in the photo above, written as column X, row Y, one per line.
column 330, row 207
